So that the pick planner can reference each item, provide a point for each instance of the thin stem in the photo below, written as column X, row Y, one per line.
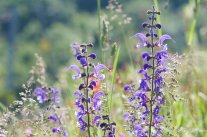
column 87, row 108
column 99, row 29
column 153, row 74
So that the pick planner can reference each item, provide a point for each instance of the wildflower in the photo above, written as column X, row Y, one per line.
column 148, row 119
column 75, row 68
column 41, row 95
column 50, row 95
column 88, row 107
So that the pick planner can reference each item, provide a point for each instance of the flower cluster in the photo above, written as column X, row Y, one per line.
column 146, row 101
column 89, row 94
column 49, row 95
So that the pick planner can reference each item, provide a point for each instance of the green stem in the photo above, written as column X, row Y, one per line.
column 99, row 29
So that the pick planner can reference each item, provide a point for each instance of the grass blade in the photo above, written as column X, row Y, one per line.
column 113, row 78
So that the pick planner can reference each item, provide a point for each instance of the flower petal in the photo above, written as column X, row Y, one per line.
column 99, row 67
column 163, row 38
column 143, row 38
column 78, row 93
column 75, row 47
column 75, row 68
column 98, row 94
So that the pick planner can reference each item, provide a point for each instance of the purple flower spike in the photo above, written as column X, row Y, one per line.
column 75, row 68
column 143, row 38
column 163, row 38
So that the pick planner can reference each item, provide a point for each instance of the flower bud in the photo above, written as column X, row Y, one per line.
column 93, row 56
column 156, row 35
column 127, row 87
column 83, row 61
column 90, row 45
column 158, row 26
column 79, row 57
column 90, row 86
column 147, row 35
column 82, row 86
column 144, row 25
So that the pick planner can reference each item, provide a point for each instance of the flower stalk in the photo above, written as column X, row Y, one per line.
column 89, row 103
column 145, row 102
column 86, row 90
column 153, row 71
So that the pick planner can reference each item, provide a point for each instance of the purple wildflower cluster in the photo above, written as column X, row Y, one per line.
column 89, row 95
column 145, row 102
column 49, row 95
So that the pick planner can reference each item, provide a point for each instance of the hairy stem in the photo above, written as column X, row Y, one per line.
column 87, row 105
column 153, row 75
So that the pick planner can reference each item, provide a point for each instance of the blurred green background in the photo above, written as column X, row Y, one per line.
column 48, row 27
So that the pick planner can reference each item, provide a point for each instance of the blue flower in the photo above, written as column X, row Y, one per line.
column 163, row 38
column 143, row 39
column 83, row 61
column 41, row 95
column 97, row 100
column 56, row 130
column 55, row 98
column 75, row 68
column 53, row 118
column 127, row 87
column 97, row 69
column 76, row 49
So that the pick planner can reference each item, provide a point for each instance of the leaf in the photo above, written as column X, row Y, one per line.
column 113, row 78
